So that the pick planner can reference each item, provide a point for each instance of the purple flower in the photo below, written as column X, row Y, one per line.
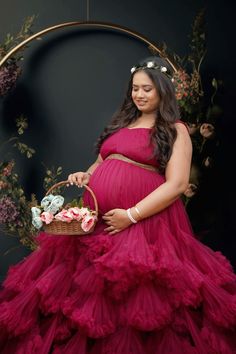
column 8, row 76
column 8, row 210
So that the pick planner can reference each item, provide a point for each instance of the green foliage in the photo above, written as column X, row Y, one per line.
column 11, row 41
column 51, row 178
column 75, row 203
column 15, row 218
column 21, row 125
column 10, row 70
column 199, row 111
column 15, row 207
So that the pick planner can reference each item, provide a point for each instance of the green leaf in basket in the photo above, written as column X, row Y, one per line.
column 73, row 203
column 81, row 204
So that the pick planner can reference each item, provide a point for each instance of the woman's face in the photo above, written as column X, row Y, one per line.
column 144, row 93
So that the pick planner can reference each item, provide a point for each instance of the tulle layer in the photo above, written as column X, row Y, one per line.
column 103, row 294
column 150, row 289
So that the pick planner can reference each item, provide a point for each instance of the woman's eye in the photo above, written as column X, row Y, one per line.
column 145, row 90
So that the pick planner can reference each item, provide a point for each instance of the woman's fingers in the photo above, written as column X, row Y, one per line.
column 76, row 178
column 110, row 213
column 106, row 217
column 112, row 230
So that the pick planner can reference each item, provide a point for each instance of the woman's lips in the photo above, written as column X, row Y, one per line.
column 141, row 103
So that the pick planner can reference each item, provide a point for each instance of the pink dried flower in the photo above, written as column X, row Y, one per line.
column 191, row 190
column 207, row 130
column 47, row 217
column 88, row 222
column 84, row 212
column 64, row 215
column 187, row 88
column 8, row 169
column 3, row 185
column 76, row 213
column 8, row 76
column 8, row 210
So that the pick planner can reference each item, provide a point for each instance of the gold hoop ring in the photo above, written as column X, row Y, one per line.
column 104, row 25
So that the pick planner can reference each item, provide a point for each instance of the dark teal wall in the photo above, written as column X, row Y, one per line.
column 73, row 80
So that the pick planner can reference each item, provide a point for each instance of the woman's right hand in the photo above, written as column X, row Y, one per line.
column 79, row 178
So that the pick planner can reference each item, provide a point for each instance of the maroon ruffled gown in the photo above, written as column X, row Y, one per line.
column 150, row 289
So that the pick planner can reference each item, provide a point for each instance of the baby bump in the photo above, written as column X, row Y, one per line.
column 119, row 184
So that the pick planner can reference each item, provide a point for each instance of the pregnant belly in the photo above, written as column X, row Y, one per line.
column 118, row 184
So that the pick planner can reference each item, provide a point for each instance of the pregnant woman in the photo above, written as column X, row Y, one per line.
column 140, row 283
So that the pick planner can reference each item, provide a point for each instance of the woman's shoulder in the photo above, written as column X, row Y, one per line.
column 179, row 124
column 183, row 137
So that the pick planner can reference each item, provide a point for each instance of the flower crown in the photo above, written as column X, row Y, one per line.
column 152, row 65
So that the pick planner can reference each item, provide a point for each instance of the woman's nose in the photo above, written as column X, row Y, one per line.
column 140, row 93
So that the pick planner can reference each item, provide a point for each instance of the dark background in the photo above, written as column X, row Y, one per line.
column 74, row 79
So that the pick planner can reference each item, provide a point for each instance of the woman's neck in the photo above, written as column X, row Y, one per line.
column 147, row 119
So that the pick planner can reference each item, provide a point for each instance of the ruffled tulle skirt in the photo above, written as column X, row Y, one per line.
column 151, row 289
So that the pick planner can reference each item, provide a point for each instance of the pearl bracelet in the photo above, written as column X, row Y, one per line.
column 137, row 211
column 131, row 217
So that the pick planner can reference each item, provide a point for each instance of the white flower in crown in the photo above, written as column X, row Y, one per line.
column 150, row 64
column 133, row 69
column 163, row 69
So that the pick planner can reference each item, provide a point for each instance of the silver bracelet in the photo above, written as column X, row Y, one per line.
column 131, row 217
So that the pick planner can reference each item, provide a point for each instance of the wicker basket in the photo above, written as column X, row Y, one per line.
column 58, row 227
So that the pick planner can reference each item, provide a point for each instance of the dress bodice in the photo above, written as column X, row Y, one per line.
column 133, row 143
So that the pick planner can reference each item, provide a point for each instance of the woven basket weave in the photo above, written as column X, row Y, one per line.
column 58, row 227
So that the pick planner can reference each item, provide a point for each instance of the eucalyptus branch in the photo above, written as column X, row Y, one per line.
column 215, row 86
column 24, row 33
column 9, row 141
column 8, row 233
column 10, row 250
column 201, row 60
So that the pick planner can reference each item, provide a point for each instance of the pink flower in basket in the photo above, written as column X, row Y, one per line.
column 77, row 215
column 47, row 217
column 64, row 215
column 88, row 222
column 84, row 212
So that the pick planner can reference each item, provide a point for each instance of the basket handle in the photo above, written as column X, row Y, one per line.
column 86, row 187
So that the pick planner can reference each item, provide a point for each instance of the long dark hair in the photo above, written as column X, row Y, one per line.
column 164, row 132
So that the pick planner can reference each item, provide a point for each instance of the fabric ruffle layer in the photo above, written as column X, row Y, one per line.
column 131, row 293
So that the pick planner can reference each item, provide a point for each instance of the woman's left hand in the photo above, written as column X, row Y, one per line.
column 117, row 220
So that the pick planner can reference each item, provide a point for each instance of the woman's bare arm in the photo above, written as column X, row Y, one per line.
column 177, row 177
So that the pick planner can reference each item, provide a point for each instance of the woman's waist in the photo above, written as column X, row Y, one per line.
column 121, row 157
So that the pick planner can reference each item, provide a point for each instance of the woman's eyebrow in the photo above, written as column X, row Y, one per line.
column 147, row 85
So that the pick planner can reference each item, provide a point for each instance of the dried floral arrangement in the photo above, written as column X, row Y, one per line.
column 199, row 111
column 15, row 207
